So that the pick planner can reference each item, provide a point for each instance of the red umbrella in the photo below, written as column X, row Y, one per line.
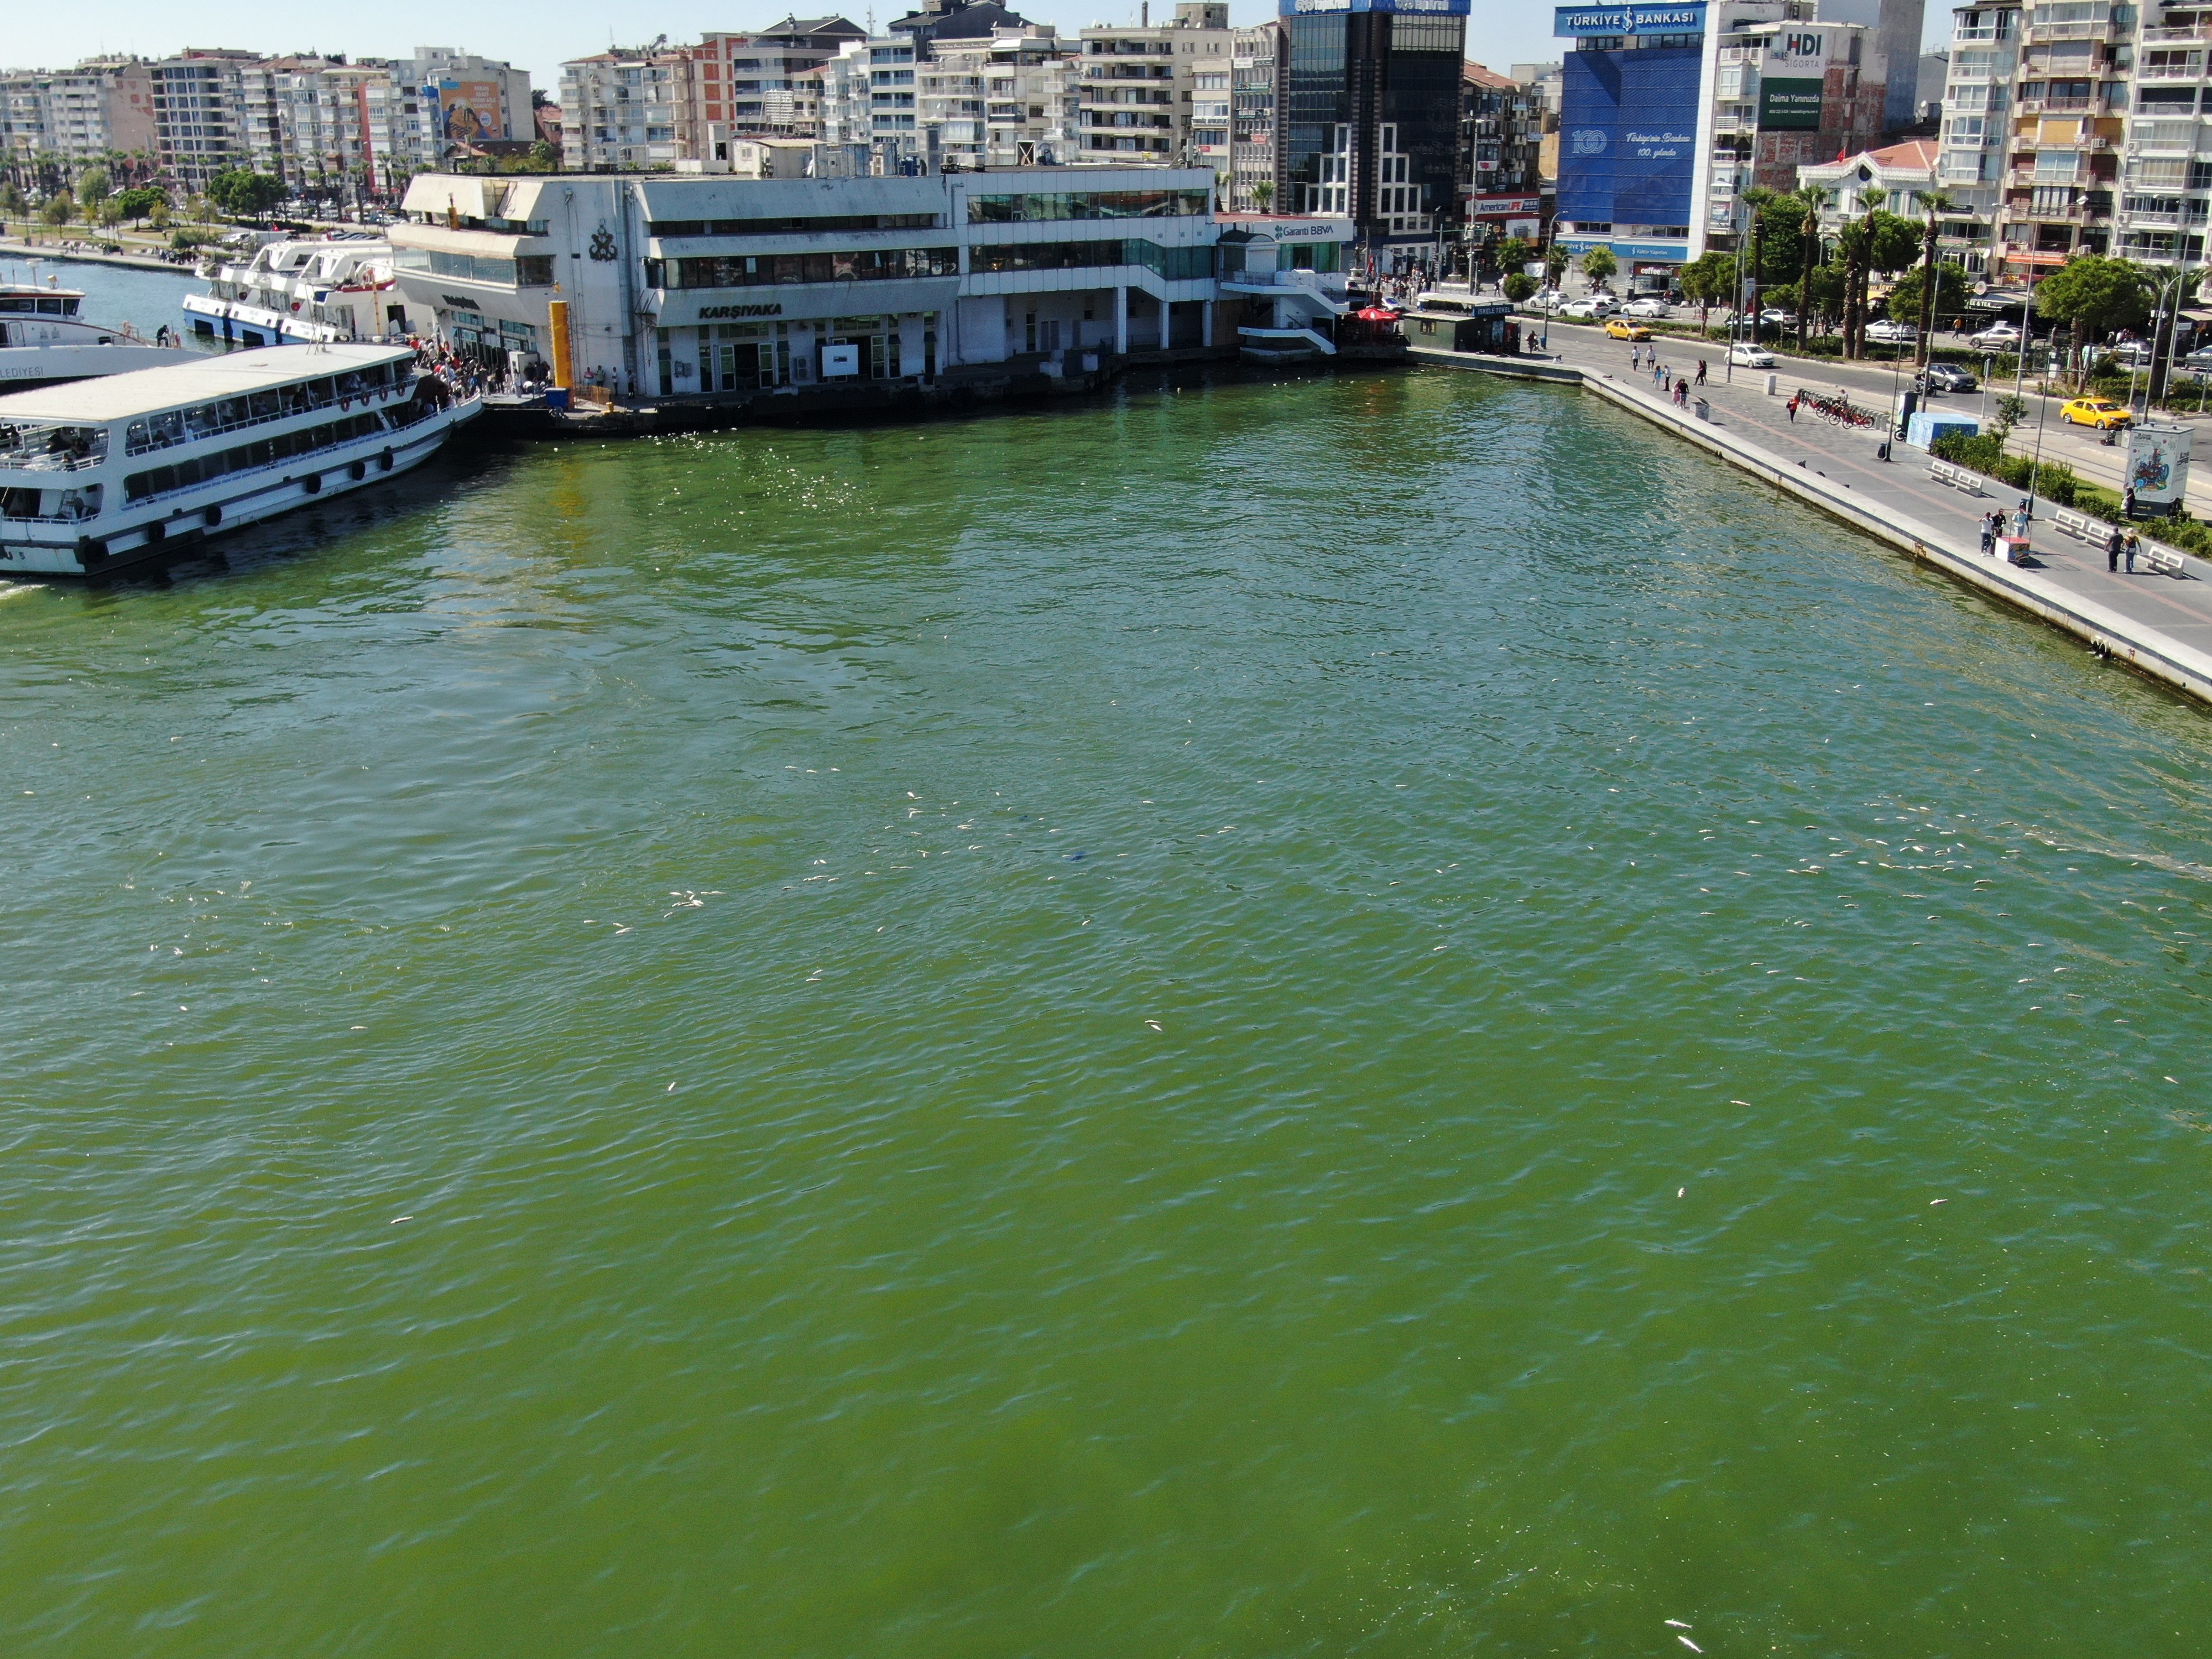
column 1377, row 314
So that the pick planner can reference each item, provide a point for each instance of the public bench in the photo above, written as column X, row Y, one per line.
column 1956, row 478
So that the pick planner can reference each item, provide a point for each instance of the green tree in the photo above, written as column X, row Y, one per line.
column 140, row 201
column 12, row 204
column 1516, row 253
column 1708, row 277
column 244, row 194
column 1599, row 264
column 2095, row 295
column 1757, row 198
column 1906, row 302
column 1518, row 285
column 1555, row 262
column 2010, row 410
column 1933, row 204
column 1809, row 198
column 92, row 187
column 57, row 210
column 1263, row 193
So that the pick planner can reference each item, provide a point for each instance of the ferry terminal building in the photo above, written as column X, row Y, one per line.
column 675, row 285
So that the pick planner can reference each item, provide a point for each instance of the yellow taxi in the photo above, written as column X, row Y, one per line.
column 2101, row 413
column 1620, row 328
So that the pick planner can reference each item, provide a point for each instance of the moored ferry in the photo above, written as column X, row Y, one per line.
column 319, row 290
column 44, row 341
column 104, row 473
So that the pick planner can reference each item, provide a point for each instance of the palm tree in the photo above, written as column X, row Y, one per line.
column 1756, row 198
column 1857, row 239
column 1932, row 203
column 1809, row 254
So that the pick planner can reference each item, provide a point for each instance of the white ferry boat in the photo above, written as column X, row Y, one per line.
column 43, row 342
column 104, row 473
column 315, row 292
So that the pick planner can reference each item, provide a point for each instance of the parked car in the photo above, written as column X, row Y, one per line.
column 1751, row 356
column 1590, row 308
column 1646, row 307
column 1949, row 377
column 2134, row 353
column 2102, row 413
column 1892, row 333
column 1549, row 299
column 1997, row 337
column 1779, row 317
column 1621, row 328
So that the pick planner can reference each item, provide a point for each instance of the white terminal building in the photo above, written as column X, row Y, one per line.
column 672, row 285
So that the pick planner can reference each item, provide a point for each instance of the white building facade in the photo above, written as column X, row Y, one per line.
column 674, row 287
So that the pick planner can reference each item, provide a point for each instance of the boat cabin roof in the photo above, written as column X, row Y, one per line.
column 202, row 380
column 34, row 287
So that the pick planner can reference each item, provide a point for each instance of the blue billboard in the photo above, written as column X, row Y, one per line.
column 1688, row 19
column 1404, row 7
column 1628, row 127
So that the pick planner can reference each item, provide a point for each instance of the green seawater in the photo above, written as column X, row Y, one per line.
column 1377, row 1016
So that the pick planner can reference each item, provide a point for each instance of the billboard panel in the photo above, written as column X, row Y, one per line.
column 1589, row 129
column 1789, row 104
column 2158, row 463
column 1688, row 19
column 1656, row 173
column 469, row 111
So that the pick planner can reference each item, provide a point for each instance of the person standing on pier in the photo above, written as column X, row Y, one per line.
column 1989, row 534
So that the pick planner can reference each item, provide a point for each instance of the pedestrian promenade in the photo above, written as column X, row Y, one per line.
column 2161, row 621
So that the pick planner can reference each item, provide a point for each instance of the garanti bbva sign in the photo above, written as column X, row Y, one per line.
column 1629, row 20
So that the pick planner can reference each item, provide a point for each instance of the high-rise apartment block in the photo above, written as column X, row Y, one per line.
column 1160, row 92
column 2074, row 127
column 1256, row 153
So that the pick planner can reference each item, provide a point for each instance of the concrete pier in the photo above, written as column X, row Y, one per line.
column 2158, row 624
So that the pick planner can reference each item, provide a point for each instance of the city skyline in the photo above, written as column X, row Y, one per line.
column 539, row 38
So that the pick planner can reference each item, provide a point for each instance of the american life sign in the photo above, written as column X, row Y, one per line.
column 1629, row 20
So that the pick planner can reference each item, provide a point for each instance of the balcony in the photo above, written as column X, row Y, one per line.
column 2163, row 36
column 2039, row 34
column 1966, row 37
column 2183, row 72
column 2055, row 105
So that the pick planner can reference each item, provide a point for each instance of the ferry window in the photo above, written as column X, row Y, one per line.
column 50, row 306
column 19, row 503
column 267, row 405
column 534, row 271
column 18, row 302
column 68, row 307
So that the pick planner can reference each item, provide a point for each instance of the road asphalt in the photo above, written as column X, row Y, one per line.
column 2078, row 447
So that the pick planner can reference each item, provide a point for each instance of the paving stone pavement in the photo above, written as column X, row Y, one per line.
column 2177, row 606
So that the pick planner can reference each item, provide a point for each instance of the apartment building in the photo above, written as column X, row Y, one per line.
column 78, row 116
column 1159, row 92
column 1027, row 81
column 1501, row 138
column 1255, row 153
column 1788, row 90
column 676, row 286
column 628, row 111
column 2034, row 128
column 211, row 112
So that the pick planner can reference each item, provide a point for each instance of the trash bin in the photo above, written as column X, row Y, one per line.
column 556, row 398
column 1704, row 410
column 1774, row 385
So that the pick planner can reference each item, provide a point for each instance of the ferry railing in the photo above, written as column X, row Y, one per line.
column 154, row 442
column 39, row 455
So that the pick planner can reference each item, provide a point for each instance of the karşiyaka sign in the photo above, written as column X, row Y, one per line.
column 1629, row 20
column 722, row 313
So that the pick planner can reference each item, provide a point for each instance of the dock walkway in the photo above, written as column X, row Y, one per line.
column 2161, row 623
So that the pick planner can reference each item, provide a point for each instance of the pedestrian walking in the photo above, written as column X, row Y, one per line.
column 1793, row 409
column 2113, row 543
column 1701, row 371
column 1989, row 535
column 2127, row 552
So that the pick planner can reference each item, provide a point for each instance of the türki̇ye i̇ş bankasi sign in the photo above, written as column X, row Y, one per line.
column 1629, row 20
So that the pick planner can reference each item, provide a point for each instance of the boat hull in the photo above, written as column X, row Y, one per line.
column 26, row 368
column 254, row 325
column 188, row 518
